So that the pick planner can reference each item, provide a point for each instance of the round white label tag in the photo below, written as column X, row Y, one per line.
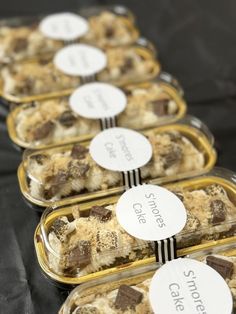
column 189, row 286
column 98, row 100
column 120, row 149
column 151, row 212
column 80, row 60
column 63, row 26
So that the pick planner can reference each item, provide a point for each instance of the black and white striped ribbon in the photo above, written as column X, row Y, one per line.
column 107, row 123
column 131, row 178
column 165, row 250
column 87, row 79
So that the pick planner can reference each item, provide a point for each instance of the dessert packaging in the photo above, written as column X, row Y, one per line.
column 59, row 174
column 180, row 285
column 26, row 37
column 148, row 104
column 57, row 76
column 84, row 241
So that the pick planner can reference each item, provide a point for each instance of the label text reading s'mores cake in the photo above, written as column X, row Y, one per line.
column 63, row 26
column 150, row 212
column 189, row 286
column 120, row 149
column 98, row 100
column 80, row 60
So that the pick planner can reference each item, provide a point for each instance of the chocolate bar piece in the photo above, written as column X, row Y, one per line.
column 160, row 107
column 67, row 118
column 218, row 209
column 80, row 256
column 223, row 267
column 79, row 151
column 102, row 213
column 43, row 130
column 127, row 297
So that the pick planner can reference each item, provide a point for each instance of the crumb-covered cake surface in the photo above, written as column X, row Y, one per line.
column 66, row 171
column 105, row 29
column 42, row 77
column 125, row 299
column 146, row 107
column 18, row 43
column 91, row 240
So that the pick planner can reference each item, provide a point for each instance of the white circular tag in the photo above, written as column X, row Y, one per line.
column 98, row 100
column 80, row 60
column 120, row 149
column 63, row 26
column 150, row 212
column 188, row 286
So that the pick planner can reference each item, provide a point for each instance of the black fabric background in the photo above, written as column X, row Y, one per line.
column 196, row 41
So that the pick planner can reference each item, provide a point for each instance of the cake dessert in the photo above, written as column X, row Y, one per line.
column 105, row 29
column 92, row 240
column 18, row 43
column 42, row 76
column 146, row 107
column 226, row 267
column 70, row 170
column 125, row 298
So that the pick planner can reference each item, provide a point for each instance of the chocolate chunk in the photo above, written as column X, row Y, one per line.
column 43, row 130
column 172, row 157
column 79, row 151
column 215, row 189
column 77, row 169
column 127, row 66
column 218, row 210
column 87, row 309
column 106, row 240
column 223, row 267
column 67, row 118
column 109, row 32
column 127, row 297
column 160, row 107
column 19, row 44
column 58, row 227
column 102, row 213
column 39, row 158
column 51, row 192
column 60, row 178
column 80, row 256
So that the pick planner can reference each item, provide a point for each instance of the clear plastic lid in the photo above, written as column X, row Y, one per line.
column 105, row 290
column 61, row 173
column 108, row 27
column 131, row 292
column 40, row 79
column 91, row 232
column 149, row 104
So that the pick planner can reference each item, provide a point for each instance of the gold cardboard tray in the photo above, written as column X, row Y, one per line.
column 196, row 136
column 167, row 88
column 143, row 49
column 190, row 184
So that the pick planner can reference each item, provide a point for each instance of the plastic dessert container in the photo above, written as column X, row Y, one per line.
column 84, row 241
column 59, row 174
column 39, row 78
column 149, row 104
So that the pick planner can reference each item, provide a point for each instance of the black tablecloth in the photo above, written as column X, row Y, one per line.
column 197, row 43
